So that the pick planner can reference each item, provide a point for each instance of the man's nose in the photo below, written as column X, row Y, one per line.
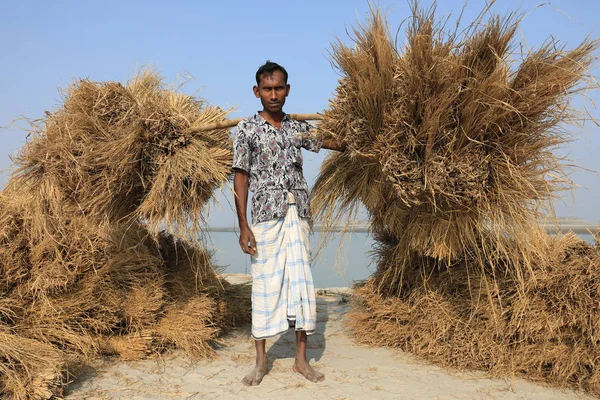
column 273, row 95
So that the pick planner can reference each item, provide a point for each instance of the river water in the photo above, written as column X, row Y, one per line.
column 339, row 263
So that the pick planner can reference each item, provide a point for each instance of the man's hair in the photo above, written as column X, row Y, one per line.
column 267, row 69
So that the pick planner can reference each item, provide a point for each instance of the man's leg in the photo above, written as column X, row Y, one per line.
column 301, row 364
column 260, row 370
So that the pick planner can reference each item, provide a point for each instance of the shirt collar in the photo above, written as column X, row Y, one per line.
column 260, row 120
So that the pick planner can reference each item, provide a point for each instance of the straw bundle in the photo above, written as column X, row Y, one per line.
column 84, row 268
column 451, row 149
column 450, row 144
column 114, row 152
column 29, row 369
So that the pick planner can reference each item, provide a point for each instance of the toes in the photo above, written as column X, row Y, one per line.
column 250, row 380
column 316, row 377
column 256, row 382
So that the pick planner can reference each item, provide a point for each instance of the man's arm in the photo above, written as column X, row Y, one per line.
column 240, row 189
column 313, row 143
column 332, row 144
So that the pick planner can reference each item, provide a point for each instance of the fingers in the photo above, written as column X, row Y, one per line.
column 244, row 246
column 252, row 244
column 248, row 243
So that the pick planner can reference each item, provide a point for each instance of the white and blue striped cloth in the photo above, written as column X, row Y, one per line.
column 282, row 284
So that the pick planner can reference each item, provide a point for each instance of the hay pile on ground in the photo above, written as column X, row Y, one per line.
column 546, row 331
column 84, row 266
column 451, row 149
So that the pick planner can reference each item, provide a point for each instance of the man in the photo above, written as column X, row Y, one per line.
column 268, row 161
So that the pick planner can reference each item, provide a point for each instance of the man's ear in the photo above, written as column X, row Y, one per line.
column 287, row 89
column 255, row 89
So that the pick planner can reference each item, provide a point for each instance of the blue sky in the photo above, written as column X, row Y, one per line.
column 45, row 45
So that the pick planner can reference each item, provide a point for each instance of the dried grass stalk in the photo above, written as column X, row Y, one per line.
column 190, row 326
column 133, row 346
column 29, row 369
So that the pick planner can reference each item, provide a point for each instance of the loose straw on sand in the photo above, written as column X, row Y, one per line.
column 233, row 122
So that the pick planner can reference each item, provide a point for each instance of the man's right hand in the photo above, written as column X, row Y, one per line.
column 247, row 241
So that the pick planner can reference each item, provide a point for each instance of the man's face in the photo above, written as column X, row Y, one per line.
column 272, row 91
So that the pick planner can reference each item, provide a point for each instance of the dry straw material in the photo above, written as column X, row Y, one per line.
column 547, row 331
column 85, row 268
column 451, row 148
column 127, row 152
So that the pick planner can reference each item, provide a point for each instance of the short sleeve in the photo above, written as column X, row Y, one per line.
column 309, row 141
column 241, row 148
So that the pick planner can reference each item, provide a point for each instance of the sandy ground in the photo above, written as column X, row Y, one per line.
column 352, row 372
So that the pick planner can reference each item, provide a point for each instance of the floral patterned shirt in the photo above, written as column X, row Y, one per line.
column 273, row 160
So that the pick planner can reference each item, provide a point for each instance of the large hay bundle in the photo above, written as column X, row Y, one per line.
column 450, row 144
column 127, row 152
column 84, row 267
column 451, row 149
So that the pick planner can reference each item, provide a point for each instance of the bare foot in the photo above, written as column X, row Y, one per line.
column 255, row 377
column 307, row 371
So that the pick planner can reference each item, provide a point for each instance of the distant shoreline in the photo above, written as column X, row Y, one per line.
column 577, row 227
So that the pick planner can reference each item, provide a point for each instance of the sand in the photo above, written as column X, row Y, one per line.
column 352, row 371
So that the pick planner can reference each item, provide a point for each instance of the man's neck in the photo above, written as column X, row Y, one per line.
column 273, row 118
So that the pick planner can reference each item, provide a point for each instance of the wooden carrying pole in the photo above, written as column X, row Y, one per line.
column 228, row 123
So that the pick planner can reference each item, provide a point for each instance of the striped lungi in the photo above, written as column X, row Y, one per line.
column 282, row 284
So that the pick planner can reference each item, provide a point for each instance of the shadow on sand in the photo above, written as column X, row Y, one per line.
column 285, row 345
